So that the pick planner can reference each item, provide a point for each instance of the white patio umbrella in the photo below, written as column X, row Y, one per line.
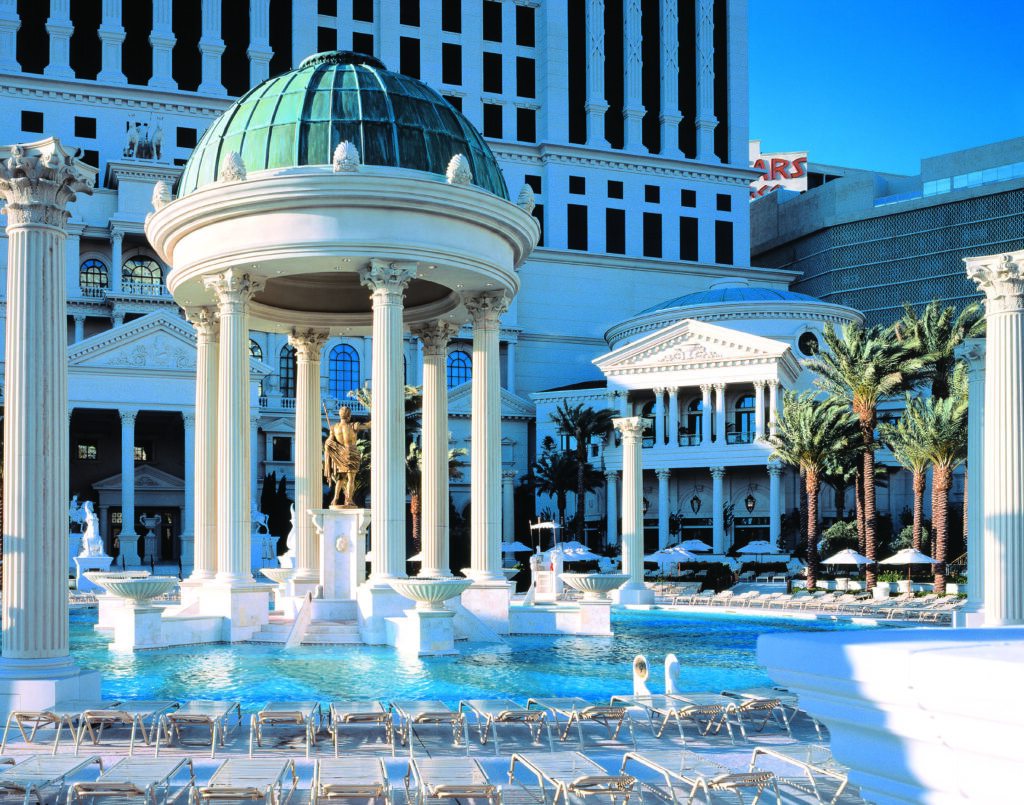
column 416, row 557
column 681, row 554
column 514, row 547
column 908, row 556
column 694, row 545
column 848, row 556
column 578, row 555
column 664, row 555
column 757, row 546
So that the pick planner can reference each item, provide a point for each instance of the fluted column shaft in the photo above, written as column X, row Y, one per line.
column 35, row 188
column 717, row 512
column 79, row 327
column 673, row 416
column 211, row 46
column 659, row 417
column 663, row 512
column 706, row 120
column 187, row 536
column 234, row 288
column 508, row 506
column 705, row 415
column 128, row 478
column 204, row 457
column 486, row 310
column 308, row 463
column 759, row 409
column 162, row 40
column 973, row 354
column 9, row 25
column 434, row 338
column 773, row 406
column 116, row 239
column 596, row 104
column 632, row 429
column 611, row 480
column 1002, row 280
column 670, row 117
column 720, row 438
column 633, row 107
column 774, row 502
column 388, row 282
column 59, row 27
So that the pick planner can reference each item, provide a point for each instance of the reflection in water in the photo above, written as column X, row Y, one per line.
column 715, row 651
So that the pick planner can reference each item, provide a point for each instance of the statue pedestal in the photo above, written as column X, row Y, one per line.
column 138, row 626
column 342, row 537
column 86, row 563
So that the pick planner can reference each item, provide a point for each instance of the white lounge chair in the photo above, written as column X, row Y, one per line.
column 350, row 778
column 30, row 780
column 577, row 712
column 361, row 712
column 569, row 773
column 432, row 779
column 670, row 708
column 306, row 715
column 816, row 771
column 250, row 780
column 424, row 713
column 65, row 713
column 492, row 713
column 680, row 775
column 132, row 778
column 132, row 714
column 205, row 714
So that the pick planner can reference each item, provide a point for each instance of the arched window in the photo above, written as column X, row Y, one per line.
column 694, row 421
column 460, row 368
column 142, row 275
column 255, row 350
column 92, row 278
column 343, row 371
column 287, row 371
column 743, row 432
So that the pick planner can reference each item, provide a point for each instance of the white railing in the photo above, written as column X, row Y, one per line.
column 91, row 292
column 144, row 289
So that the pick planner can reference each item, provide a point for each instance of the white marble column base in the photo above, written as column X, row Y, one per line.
column 423, row 633
column 489, row 601
column 586, row 618
column 36, row 694
column 377, row 603
column 245, row 607
column 108, row 606
column 919, row 715
column 633, row 594
column 138, row 626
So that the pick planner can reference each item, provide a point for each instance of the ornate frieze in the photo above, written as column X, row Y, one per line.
column 155, row 353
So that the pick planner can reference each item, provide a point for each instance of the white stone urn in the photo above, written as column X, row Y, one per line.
column 430, row 593
column 509, row 572
column 137, row 590
column 278, row 575
column 595, row 586
column 98, row 576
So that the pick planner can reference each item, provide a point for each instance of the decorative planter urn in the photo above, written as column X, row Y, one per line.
column 136, row 590
column 595, row 586
column 429, row 593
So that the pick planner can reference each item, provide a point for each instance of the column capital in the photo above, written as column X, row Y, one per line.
column 631, row 427
column 659, row 390
column 718, row 473
column 775, row 470
column 37, row 182
column 486, row 309
column 116, row 233
column 78, row 317
column 1001, row 278
column 234, row 286
column 972, row 353
column 610, row 474
column 760, row 384
column 387, row 280
column 719, row 386
column 773, row 383
column 663, row 473
column 705, row 389
column 308, row 343
column 435, row 335
column 508, row 475
column 206, row 322
column 127, row 416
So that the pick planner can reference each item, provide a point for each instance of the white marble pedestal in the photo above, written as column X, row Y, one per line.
column 138, row 626
column 21, row 690
column 423, row 632
column 342, row 537
column 245, row 607
column 377, row 603
column 83, row 564
column 489, row 601
column 633, row 594
column 919, row 715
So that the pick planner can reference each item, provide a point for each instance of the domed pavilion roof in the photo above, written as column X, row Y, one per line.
column 730, row 294
column 299, row 118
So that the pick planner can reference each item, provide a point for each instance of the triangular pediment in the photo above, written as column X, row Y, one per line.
column 460, row 403
column 282, row 425
column 690, row 344
column 146, row 477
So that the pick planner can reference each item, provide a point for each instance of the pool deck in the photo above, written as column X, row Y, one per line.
column 288, row 743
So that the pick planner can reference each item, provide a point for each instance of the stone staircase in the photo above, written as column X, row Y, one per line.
column 318, row 633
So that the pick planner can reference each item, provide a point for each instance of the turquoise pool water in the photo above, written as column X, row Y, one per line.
column 715, row 651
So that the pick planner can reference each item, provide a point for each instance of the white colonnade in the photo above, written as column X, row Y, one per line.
column 207, row 327
column 972, row 352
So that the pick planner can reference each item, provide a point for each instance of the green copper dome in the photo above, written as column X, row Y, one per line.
column 299, row 117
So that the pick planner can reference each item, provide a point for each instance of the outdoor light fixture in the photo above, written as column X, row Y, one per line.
column 695, row 504
column 647, row 505
column 750, row 502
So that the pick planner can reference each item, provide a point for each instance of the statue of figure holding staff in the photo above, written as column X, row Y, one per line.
column 341, row 457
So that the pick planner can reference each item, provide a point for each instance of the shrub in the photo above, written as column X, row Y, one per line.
column 837, row 537
column 905, row 539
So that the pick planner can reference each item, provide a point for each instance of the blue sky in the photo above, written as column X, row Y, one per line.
column 879, row 84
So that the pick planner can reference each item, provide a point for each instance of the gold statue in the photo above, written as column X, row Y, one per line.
column 341, row 457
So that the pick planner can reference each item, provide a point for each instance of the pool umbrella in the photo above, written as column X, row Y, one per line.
column 694, row 545
column 757, row 546
column 664, row 555
column 416, row 557
column 514, row 547
column 573, row 545
column 681, row 554
column 908, row 557
column 580, row 555
column 847, row 556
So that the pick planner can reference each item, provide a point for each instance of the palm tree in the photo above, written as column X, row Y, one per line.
column 934, row 336
column 908, row 447
column 840, row 474
column 555, row 475
column 582, row 423
column 942, row 424
column 864, row 367
column 414, row 483
column 808, row 433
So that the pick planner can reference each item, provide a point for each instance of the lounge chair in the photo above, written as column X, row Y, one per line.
column 490, row 713
column 668, row 707
column 30, row 779
column 789, row 704
column 569, row 773
column 360, row 712
column 745, row 711
column 684, row 774
column 724, row 597
column 66, row 713
column 208, row 715
column 817, row 771
column 449, row 778
column 350, row 778
column 415, row 713
column 278, row 714
column 251, row 780
column 577, row 711
column 131, row 778
column 133, row 714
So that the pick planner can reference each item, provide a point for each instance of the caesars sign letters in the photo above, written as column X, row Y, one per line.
column 788, row 170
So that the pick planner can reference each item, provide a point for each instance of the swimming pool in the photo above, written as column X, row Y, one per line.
column 715, row 651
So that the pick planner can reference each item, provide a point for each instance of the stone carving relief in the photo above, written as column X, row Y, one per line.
column 232, row 168
column 685, row 353
column 159, row 353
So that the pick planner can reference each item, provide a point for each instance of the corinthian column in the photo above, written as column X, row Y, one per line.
column 611, row 481
column 705, row 415
column 706, row 120
column 187, row 536
column 128, row 416
column 37, row 181
column 595, row 105
column 972, row 353
column 486, row 310
column 308, row 462
column 633, row 591
column 59, row 27
column 1001, row 277
column 234, row 288
column 774, row 503
column 717, row 511
column 207, row 327
column 434, row 337
column 633, row 108
column 9, row 25
column 388, row 282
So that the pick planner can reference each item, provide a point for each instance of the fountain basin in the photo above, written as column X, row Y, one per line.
column 594, row 586
column 430, row 594
column 136, row 590
column 278, row 575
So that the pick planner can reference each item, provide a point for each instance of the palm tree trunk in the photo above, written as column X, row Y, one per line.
column 942, row 480
column 803, row 506
column 920, row 480
column 869, row 508
column 581, row 492
column 561, row 502
column 859, row 505
column 414, row 510
column 812, row 488
column 964, row 525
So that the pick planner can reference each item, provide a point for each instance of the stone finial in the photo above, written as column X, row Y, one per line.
column 232, row 168
column 161, row 195
column 459, row 171
column 346, row 158
column 526, row 200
